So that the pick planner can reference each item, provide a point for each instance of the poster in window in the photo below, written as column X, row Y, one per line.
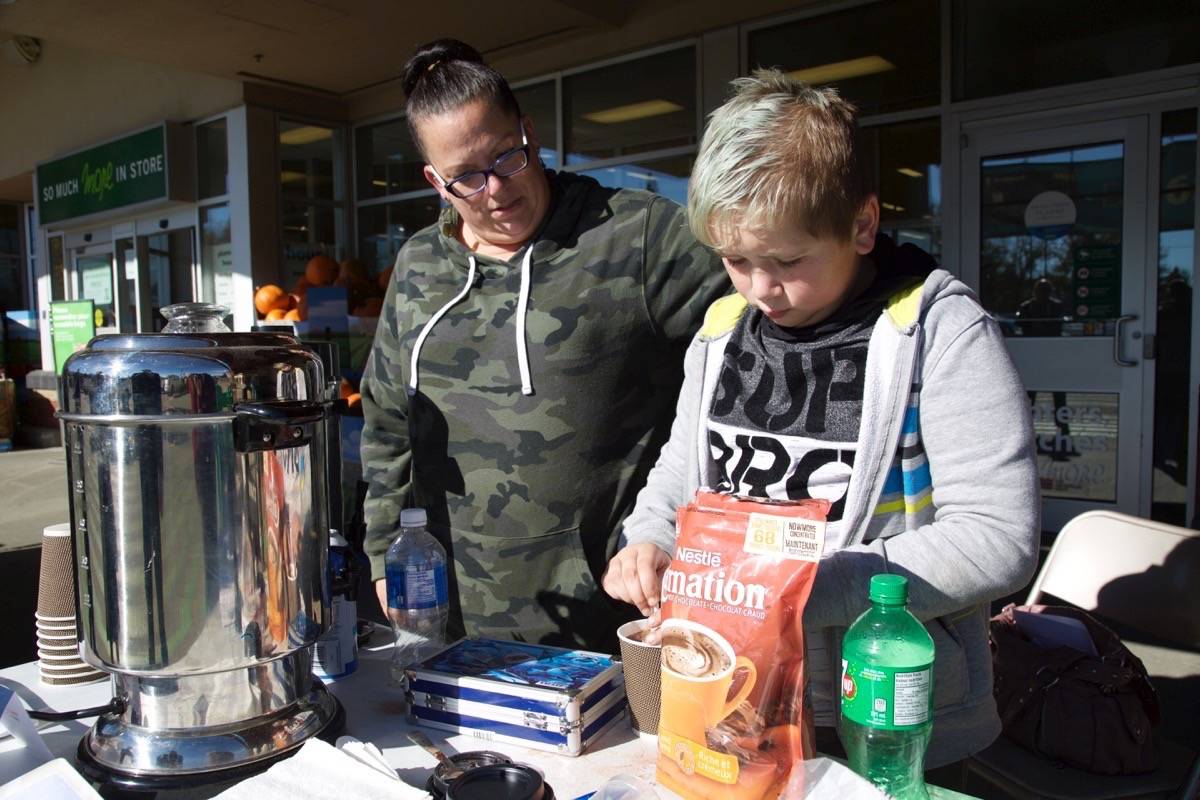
column 1075, row 434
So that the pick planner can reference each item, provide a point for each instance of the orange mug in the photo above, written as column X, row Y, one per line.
column 693, row 703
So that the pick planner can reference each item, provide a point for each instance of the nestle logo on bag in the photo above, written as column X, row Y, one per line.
column 691, row 555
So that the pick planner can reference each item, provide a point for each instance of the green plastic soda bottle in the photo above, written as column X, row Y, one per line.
column 887, row 692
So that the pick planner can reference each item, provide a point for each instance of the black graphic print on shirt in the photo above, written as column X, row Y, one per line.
column 785, row 416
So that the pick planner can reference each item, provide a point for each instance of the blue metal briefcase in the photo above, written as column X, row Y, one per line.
column 549, row 698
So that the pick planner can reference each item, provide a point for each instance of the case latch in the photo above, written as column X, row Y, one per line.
column 538, row 721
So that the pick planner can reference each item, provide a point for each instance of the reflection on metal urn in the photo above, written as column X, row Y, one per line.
column 196, row 463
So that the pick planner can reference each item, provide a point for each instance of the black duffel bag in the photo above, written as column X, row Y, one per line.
column 1095, row 713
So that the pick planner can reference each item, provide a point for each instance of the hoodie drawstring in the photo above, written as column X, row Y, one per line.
column 441, row 312
column 522, row 308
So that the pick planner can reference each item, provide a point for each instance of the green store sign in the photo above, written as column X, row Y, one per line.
column 121, row 173
column 72, row 326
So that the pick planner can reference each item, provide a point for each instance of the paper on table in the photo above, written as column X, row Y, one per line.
column 17, row 722
column 1050, row 631
column 319, row 770
column 823, row 777
column 54, row 780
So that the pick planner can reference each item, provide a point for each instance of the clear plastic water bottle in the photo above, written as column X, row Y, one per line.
column 887, row 692
column 418, row 601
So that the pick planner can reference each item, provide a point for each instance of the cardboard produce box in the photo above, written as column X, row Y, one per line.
column 8, row 416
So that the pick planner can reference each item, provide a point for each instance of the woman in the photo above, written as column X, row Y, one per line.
column 526, row 364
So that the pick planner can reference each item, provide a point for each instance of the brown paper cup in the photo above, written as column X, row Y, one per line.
column 643, row 673
column 68, row 677
column 56, row 576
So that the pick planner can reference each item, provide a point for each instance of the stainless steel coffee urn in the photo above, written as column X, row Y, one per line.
column 196, row 462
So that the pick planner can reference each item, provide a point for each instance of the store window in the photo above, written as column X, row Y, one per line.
column 903, row 165
column 310, row 159
column 12, row 260
column 637, row 106
column 388, row 160
column 1176, row 293
column 216, row 255
column 884, row 56
column 540, row 104
column 665, row 176
column 57, row 261
column 1081, row 260
column 94, row 281
column 1005, row 46
column 212, row 159
column 384, row 228
column 169, row 258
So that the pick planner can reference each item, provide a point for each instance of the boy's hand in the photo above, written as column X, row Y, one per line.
column 635, row 575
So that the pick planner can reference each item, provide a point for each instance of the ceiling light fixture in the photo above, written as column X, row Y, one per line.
column 28, row 48
column 910, row 172
column 306, row 134
column 628, row 113
column 842, row 70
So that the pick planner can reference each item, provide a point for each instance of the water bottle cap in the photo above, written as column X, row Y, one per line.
column 413, row 518
column 890, row 590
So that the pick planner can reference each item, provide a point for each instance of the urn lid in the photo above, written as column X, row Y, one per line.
column 203, row 369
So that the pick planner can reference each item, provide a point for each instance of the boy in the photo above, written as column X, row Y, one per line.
column 846, row 369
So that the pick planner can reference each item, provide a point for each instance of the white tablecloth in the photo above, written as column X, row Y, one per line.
column 374, row 713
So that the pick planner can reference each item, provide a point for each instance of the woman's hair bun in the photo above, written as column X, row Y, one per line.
column 429, row 56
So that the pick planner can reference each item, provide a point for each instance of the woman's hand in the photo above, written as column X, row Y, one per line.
column 381, row 594
column 635, row 575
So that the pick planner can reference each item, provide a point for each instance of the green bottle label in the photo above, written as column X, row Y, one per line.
column 886, row 697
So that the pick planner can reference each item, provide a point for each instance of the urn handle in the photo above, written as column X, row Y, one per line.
column 274, row 424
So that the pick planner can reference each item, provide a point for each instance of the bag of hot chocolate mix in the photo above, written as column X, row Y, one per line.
column 733, row 717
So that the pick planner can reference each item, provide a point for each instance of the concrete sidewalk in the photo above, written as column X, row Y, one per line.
column 33, row 494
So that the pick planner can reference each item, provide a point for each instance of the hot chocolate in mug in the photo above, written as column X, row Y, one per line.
column 698, row 669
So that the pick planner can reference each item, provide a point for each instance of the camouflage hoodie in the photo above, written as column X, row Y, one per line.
column 527, row 436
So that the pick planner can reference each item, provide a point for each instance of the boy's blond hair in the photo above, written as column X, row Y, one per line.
column 778, row 154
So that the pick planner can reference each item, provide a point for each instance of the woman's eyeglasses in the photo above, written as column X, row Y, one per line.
column 472, row 183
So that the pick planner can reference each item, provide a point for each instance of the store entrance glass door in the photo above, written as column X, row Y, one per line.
column 94, row 280
column 1054, row 232
column 167, row 262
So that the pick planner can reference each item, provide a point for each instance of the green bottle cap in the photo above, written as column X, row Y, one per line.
column 891, row 590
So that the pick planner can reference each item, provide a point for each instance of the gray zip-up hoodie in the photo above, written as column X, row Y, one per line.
column 944, row 491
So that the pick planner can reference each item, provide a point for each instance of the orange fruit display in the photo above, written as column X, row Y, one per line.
column 276, row 314
column 369, row 307
column 270, row 297
column 354, row 270
column 293, row 315
column 321, row 270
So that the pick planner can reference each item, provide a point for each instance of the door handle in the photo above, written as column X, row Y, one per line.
column 1121, row 362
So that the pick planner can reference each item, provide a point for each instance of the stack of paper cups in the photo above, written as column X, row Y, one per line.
column 57, row 645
